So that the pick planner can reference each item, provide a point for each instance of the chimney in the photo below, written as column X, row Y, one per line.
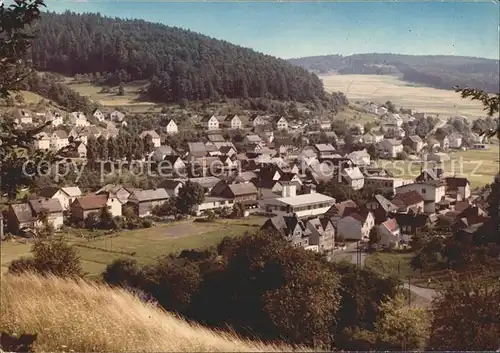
column 289, row 190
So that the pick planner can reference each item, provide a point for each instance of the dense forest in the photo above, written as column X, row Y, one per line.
column 180, row 64
column 439, row 71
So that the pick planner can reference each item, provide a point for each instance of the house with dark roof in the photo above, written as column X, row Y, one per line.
column 336, row 212
column 155, row 138
column 29, row 215
column 280, row 123
column 381, row 208
column 172, row 186
column 355, row 224
column 457, row 188
column 65, row 195
column 432, row 192
column 414, row 142
column 210, row 122
column 409, row 200
column 245, row 193
column 389, row 147
column 290, row 227
column 119, row 191
column 230, row 121
column 257, row 119
column 322, row 233
column 144, row 201
column 84, row 205
column 216, row 138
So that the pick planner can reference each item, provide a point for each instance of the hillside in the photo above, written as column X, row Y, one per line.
column 438, row 71
column 179, row 64
column 82, row 317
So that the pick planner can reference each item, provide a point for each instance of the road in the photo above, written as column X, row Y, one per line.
column 426, row 294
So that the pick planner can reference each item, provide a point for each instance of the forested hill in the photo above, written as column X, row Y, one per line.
column 179, row 64
column 439, row 71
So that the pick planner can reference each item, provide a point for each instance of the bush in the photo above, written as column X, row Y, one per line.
column 54, row 257
column 147, row 223
column 402, row 155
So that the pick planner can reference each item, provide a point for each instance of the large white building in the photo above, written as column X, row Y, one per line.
column 432, row 192
column 306, row 205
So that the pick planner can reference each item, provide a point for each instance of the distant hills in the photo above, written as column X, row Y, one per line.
column 438, row 71
column 179, row 64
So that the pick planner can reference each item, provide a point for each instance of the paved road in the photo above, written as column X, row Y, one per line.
column 425, row 293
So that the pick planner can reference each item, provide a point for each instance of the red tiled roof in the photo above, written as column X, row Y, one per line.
column 409, row 198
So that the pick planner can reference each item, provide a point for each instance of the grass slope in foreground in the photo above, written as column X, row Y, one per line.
column 148, row 244
column 84, row 317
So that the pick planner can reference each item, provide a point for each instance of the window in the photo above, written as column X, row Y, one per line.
column 423, row 191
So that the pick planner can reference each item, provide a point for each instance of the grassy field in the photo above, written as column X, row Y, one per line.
column 381, row 88
column 147, row 244
column 386, row 263
column 129, row 100
column 480, row 167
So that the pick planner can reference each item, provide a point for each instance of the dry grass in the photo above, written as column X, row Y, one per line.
column 383, row 88
column 84, row 317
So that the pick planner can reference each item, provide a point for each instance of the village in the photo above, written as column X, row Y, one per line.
column 270, row 172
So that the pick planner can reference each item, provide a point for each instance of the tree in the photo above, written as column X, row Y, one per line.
column 50, row 257
column 401, row 327
column 375, row 237
column 121, row 89
column 123, row 272
column 15, row 42
column 391, row 108
column 172, row 284
column 466, row 315
column 266, row 287
column 190, row 195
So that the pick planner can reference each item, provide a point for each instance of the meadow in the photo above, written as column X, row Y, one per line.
column 479, row 166
column 143, row 245
column 381, row 88
column 129, row 100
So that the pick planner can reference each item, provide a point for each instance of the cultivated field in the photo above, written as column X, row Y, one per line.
column 146, row 244
column 480, row 167
column 381, row 88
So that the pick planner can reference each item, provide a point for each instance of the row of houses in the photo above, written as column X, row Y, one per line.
column 423, row 203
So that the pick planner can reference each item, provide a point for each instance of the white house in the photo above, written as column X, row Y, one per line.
column 432, row 191
column 212, row 203
column 390, row 147
column 372, row 138
column 385, row 184
column 172, row 128
column 382, row 111
column 322, row 233
column 154, row 137
column 390, row 233
column 458, row 188
column 65, row 195
column 99, row 115
column 57, row 119
column 257, row 119
column 23, row 117
column 42, row 141
column 210, row 122
column 305, row 205
column 360, row 158
column 231, row 121
column 117, row 116
column 280, row 123
column 353, row 177
column 455, row 141
column 58, row 140
column 78, row 119
column 356, row 225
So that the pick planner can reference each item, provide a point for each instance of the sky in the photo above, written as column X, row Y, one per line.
column 297, row 29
